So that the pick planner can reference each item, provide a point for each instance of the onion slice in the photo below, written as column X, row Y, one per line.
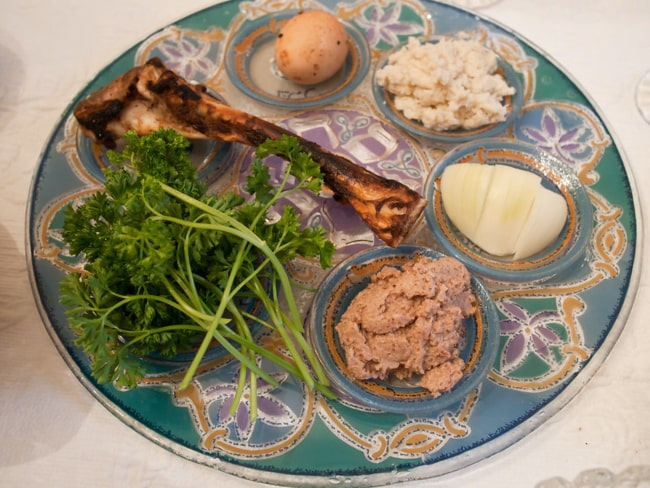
column 504, row 210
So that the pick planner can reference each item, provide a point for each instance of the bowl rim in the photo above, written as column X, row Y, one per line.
column 236, row 61
column 416, row 400
column 383, row 100
column 569, row 247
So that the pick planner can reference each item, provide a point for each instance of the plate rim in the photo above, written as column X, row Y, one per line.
column 421, row 471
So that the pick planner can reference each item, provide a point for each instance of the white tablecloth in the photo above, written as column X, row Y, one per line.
column 54, row 433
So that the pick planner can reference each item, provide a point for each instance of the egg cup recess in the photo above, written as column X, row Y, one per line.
column 250, row 64
column 336, row 292
column 385, row 101
column 560, row 255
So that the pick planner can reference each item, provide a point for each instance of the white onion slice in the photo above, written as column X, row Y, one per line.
column 545, row 222
column 503, row 210
column 458, row 181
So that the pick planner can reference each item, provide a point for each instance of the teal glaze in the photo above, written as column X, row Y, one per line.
column 302, row 443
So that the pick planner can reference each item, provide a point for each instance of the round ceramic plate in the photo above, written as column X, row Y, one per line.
column 333, row 298
column 559, row 256
column 386, row 103
column 250, row 63
column 552, row 336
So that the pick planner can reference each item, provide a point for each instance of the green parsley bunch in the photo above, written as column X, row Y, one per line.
column 168, row 265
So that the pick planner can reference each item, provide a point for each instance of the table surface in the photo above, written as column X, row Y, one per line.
column 55, row 433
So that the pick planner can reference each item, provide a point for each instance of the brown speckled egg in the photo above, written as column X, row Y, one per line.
column 311, row 47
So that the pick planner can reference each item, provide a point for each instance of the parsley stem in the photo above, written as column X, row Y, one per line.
column 160, row 251
column 179, row 304
column 235, row 228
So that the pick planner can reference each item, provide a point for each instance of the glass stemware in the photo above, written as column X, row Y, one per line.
column 642, row 96
column 475, row 4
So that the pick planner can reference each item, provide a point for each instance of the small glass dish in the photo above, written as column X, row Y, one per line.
column 385, row 102
column 560, row 255
column 250, row 64
column 333, row 297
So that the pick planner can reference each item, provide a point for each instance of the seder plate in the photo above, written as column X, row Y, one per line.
column 554, row 335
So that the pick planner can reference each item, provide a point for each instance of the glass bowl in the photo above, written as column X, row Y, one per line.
column 569, row 247
column 250, row 64
column 341, row 285
column 386, row 104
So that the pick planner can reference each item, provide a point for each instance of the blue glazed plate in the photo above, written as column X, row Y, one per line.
column 386, row 104
column 251, row 66
column 334, row 295
column 553, row 335
column 569, row 247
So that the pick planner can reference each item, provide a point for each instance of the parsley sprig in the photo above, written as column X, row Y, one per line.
column 168, row 266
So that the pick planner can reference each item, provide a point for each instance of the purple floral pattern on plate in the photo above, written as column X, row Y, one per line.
column 386, row 24
column 361, row 138
column 192, row 54
column 567, row 130
column 542, row 341
column 282, row 411
column 528, row 334
column 271, row 411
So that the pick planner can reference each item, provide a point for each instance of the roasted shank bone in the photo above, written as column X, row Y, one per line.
column 150, row 97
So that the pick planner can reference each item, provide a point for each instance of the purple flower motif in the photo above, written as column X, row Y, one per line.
column 270, row 409
column 385, row 25
column 527, row 334
column 188, row 57
column 554, row 138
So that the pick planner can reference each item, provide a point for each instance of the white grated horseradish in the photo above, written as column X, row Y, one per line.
column 451, row 84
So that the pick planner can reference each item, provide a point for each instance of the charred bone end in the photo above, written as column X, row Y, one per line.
column 150, row 97
column 94, row 122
